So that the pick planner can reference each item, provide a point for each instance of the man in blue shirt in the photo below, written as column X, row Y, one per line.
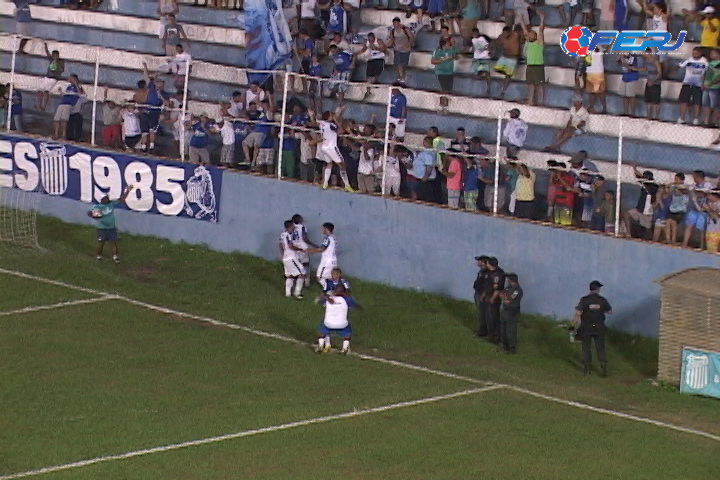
column 259, row 126
column 336, row 22
column 335, row 280
column 305, row 51
column 420, row 178
column 342, row 71
column 150, row 117
column 70, row 97
column 104, row 215
column 199, row 140
column 398, row 112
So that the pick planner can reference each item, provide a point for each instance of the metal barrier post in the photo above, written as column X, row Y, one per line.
column 95, row 95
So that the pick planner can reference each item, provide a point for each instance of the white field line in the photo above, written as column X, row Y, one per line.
column 247, row 433
column 70, row 303
column 570, row 403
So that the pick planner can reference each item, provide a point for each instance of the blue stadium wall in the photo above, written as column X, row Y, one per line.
column 424, row 248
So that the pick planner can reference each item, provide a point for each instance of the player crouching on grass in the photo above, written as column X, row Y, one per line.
column 337, row 304
column 104, row 215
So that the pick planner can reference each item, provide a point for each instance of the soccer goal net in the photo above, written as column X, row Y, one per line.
column 18, row 218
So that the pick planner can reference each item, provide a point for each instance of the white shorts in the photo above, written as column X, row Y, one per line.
column 293, row 268
column 399, row 126
column 48, row 84
column 330, row 155
column 324, row 271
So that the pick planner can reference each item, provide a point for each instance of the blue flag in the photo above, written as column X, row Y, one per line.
column 268, row 40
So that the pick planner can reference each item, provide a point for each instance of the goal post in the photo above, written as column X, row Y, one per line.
column 18, row 217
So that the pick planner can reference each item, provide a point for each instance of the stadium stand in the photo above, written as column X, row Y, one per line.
column 128, row 36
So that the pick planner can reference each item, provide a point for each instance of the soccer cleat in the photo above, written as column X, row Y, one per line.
column 116, row 259
column 326, row 348
column 299, row 297
column 324, row 187
column 318, row 349
column 345, row 351
column 348, row 188
column 99, row 257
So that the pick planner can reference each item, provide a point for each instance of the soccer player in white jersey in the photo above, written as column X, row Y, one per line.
column 328, row 257
column 328, row 150
column 294, row 271
column 337, row 304
column 302, row 241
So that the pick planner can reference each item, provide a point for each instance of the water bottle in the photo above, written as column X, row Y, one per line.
column 572, row 335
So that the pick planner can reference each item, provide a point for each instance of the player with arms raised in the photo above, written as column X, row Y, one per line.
column 337, row 304
column 328, row 257
column 302, row 241
column 104, row 215
column 294, row 271
column 329, row 151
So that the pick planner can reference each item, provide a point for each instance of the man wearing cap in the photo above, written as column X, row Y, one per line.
column 480, row 299
column 493, row 290
column 589, row 320
column 511, row 298
column 710, row 27
column 576, row 125
column 515, row 133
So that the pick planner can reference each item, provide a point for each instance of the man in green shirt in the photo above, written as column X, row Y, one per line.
column 711, row 89
column 534, row 57
column 104, row 215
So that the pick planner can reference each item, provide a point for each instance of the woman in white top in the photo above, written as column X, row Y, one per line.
column 165, row 8
column 374, row 49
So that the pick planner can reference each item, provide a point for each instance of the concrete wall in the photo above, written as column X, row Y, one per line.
column 426, row 248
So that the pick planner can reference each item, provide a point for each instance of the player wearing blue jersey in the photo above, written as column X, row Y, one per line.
column 344, row 63
column 335, row 280
column 337, row 305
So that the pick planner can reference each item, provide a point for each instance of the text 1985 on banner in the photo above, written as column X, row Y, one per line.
column 161, row 186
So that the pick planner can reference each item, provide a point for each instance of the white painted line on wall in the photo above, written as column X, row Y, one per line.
column 246, row 433
column 570, row 403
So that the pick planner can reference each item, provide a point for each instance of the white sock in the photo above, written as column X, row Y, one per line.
column 346, row 344
column 343, row 175
column 288, row 286
column 307, row 281
column 327, row 341
column 298, row 286
column 321, row 342
column 326, row 176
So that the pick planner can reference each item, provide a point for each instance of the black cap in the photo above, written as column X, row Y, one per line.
column 512, row 277
column 595, row 285
column 483, row 258
column 514, row 113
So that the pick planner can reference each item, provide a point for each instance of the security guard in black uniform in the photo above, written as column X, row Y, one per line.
column 480, row 302
column 590, row 317
column 511, row 298
column 493, row 290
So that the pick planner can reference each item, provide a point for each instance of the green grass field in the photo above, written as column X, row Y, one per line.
column 93, row 378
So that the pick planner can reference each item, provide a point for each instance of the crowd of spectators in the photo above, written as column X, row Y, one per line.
column 460, row 173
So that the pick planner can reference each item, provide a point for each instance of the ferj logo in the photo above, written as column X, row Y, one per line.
column 578, row 41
